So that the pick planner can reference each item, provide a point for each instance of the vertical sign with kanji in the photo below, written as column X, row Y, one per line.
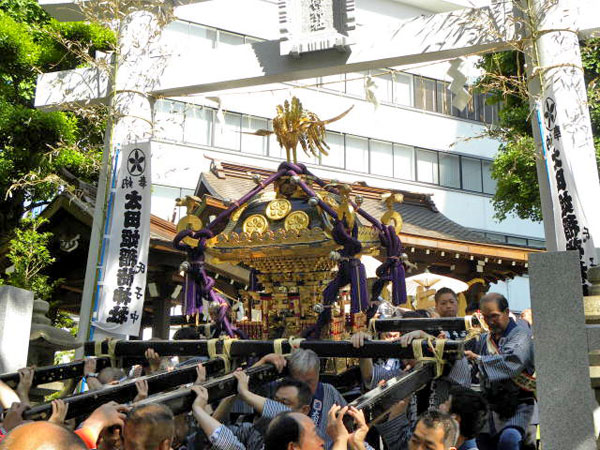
column 121, row 299
column 572, row 231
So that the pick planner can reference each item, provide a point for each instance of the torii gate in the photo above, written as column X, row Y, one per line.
column 554, row 66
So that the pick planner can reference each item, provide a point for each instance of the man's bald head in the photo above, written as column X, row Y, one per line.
column 42, row 436
column 149, row 427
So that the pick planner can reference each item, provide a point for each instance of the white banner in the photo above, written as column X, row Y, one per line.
column 121, row 299
column 571, row 226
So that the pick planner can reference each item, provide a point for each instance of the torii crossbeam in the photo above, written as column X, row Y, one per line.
column 421, row 39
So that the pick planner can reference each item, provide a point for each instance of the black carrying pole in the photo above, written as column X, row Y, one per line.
column 83, row 404
column 376, row 403
column 181, row 400
column 251, row 348
column 429, row 325
column 49, row 374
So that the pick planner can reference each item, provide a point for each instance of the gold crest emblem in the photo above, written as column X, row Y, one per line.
column 190, row 222
column 279, row 208
column 298, row 220
column 255, row 222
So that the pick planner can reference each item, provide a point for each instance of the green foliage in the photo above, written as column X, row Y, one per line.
column 62, row 320
column 61, row 357
column 36, row 146
column 19, row 54
column 25, row 11
column 29, row 255
column 514, row 168
column 515, row 172
column 64, row 37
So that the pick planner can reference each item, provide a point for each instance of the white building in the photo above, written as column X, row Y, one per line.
column 415, row 140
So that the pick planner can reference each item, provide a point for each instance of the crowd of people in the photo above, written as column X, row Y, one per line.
column 486, row 400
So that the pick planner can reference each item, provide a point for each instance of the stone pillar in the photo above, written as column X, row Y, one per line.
column 16, row 307
column 561, row 352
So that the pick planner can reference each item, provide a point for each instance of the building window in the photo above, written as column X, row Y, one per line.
column 488, row 113
column 355, row 83
column 489, row 184
column 513, row 240
column 229, row 39
column 499, row 238
column 251, row 143
column 403, row 92
column 201, row 38
column 536, row 243
column 357, row 153
column 471, row 174
column 168, row 120
column 275, row 150
column 307, row 158
column 194, row 124
column 381, row 158
column 404, row 162
column 333, row 82
column 228, row 133
column 251, row 40
column 198, row 125
column 427, row 166
column 384, row 85
column 516, row 240
column 335, row 157
column 443, row 97
column 469, row 111
column 425, row 93
column 449, row 170
column 177, row 34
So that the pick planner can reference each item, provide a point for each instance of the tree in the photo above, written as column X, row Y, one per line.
column 36, row 147
column 514, row 167
column 29, row 255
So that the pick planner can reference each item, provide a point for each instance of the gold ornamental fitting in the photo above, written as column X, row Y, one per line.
column 238, row 212
column 190, row 222
column 298, row 220
column 255, row 222
column 279, row 208
column 330, row 201
column 393, row 217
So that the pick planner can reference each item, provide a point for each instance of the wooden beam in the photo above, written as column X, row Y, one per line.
column 84, row 404
column 49, row 374
column 430, row 325
column 253, row 348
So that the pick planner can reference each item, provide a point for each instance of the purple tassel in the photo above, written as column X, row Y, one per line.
column 191, row 296
column 392, row 268
column 358, row 285
column 398, row 283
column 350, row 270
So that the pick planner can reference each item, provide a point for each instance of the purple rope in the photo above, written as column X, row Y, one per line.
column 263, row 184
column 392, row 268
column 198, row 284
column 376, row 223
column 350, row 271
